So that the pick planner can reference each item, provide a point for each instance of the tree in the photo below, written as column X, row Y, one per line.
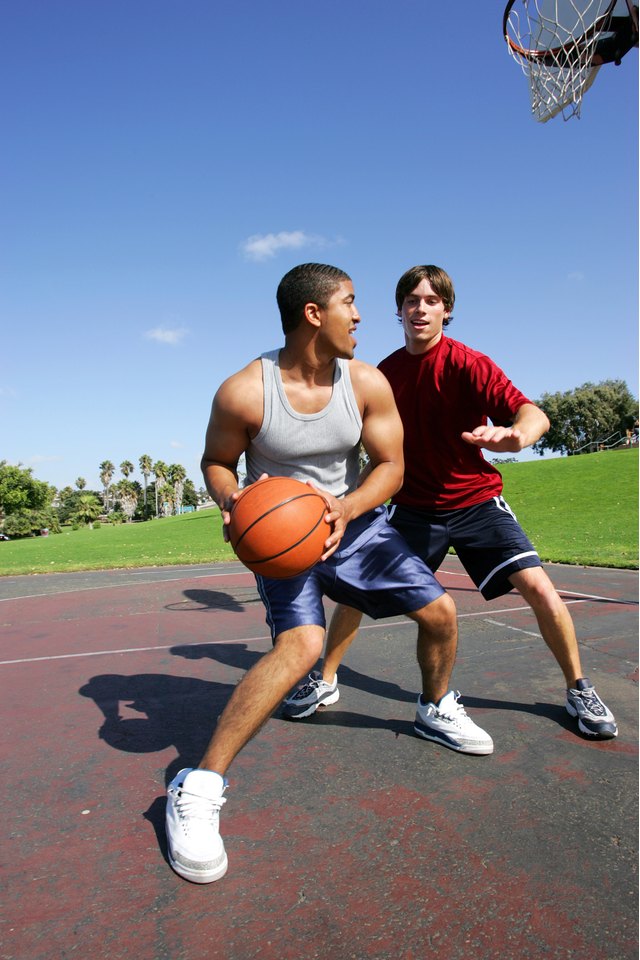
column 68, row 504
column 176, row 475
column 19, row 490
column 127, row 494
column 29, row 523
column 86, row 508
column 81, row 483
column 126, row 468
column 106, row 474
column 160, row 470
column 587, row 414
column 189, row 495
column 146, row 466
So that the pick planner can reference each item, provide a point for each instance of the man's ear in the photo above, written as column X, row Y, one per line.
column 313, row 314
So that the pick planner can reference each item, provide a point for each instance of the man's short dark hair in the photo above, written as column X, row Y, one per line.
column 441, row 283
column 306, row 283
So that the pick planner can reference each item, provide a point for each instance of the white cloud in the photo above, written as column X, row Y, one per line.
column 576, row 276
column 263, row 246
column 168, row 335
column 7, row 392
column 176, row 445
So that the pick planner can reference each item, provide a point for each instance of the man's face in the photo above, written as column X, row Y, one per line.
column 423, row 314
column 340, row 318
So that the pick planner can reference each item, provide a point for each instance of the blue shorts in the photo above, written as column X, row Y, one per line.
column 487, row 538
column 372, row 570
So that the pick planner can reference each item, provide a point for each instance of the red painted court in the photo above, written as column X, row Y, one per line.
column 348, row 837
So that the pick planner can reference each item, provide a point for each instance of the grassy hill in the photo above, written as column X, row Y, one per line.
column 580, row 510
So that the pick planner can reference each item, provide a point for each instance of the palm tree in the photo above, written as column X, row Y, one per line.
column 128, row 496
column 86, row 509
column 126, row 467
column 81, row 483
column 160, row 470
column 146, row 465
column 106, row 473
column 176, row 477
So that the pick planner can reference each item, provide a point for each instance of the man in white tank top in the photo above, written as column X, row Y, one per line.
column 303, row 411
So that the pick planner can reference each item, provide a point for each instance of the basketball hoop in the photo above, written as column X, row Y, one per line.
column 561, row 45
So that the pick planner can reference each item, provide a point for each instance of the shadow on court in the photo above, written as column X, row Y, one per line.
column 347, row 835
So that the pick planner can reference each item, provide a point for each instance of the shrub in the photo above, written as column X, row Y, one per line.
column 29, row 523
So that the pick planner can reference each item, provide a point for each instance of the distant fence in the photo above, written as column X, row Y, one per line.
column 614, row 442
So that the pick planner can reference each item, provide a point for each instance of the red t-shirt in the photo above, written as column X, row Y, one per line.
column 439, row 394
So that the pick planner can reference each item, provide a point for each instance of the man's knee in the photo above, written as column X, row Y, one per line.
column 302, row 646
column 438, row 616
column 537, row 589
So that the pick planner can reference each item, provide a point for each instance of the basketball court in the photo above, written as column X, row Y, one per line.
column 347, row 836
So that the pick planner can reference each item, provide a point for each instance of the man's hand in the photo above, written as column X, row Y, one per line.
column 338, row 516
column 527, row 428
column 496, row 439
column 227, row 507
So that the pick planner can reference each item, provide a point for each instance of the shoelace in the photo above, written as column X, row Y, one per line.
column 457, row 712
column 199, row 808
column 592, row 702
column 308, row 688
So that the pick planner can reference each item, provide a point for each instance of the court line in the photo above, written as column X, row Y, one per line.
column 106, row 653
column 506, row 626
column 216, row 576
column 380, row 625
column 113, row 586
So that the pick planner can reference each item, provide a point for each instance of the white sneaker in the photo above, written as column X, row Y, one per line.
column 195, row 847
column 314, row 693
column 448, row 724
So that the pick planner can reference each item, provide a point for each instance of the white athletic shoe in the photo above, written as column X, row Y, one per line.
column 448, row 724
column 195, row 847
column 314, row 693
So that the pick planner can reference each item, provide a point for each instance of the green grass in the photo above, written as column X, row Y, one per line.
column 191, row 538
column 581, row 510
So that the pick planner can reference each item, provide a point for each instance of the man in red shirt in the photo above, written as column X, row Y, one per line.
column 451, row 496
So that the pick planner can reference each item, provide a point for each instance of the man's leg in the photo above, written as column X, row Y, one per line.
column 437, row 646
column 343, row 628
column 440, row 716
column 259, row 692
column 556, row 626
column 195, row 796
column 554, row 620
column 320, row 689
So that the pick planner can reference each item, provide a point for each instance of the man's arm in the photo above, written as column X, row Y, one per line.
column 228, row 435
column 529, row 424
column 382, row 438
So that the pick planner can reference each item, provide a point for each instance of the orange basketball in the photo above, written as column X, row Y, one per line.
column 277, row 527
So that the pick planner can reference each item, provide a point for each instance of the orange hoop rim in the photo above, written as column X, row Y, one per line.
column 550, row 57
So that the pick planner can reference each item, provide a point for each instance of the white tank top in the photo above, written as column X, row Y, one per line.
column 322, row 447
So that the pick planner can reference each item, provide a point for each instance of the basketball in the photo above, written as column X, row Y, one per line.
column 277, row 527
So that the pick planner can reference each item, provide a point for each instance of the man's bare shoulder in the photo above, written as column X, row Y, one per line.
column 242, row 390
column 366, row 377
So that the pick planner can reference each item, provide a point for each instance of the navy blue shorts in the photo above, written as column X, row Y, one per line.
column 487, row 538
column 372, row 570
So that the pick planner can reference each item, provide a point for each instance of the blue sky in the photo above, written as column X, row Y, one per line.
column 165, row 163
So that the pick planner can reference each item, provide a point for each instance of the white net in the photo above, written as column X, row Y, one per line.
column 554, row 42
